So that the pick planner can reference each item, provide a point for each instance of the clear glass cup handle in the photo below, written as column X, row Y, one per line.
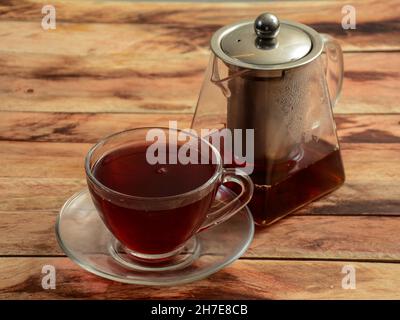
column 334, row 67
column 228, row 210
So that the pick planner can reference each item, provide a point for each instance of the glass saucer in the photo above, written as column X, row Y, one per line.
column 85, row 239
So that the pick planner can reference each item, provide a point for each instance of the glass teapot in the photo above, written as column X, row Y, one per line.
column 280, row 78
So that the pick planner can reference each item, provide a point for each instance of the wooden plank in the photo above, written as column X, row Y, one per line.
column 55, row 170
column 90, row 127
column 364, row 162
column 29, row 194
column 370, row 90
column 20, row 278
column 368, row 128
column 365, row 196
column 100, row 67
column 192, row 24
column 119, row 82
column 45, row 160
column 81, row 127
column 363, row 238
column 372, row 188
column 359, row 197
column 329, row 237
column 29, row 233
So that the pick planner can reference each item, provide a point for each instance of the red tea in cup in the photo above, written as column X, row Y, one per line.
column 127, row 171
column 154, row 207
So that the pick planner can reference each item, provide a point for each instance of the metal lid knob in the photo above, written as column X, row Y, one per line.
column 266, row 26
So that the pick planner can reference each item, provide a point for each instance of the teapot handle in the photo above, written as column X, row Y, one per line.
column 334, row 67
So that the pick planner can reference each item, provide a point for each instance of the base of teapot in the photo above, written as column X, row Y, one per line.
column 268, row 222
column 294, row 188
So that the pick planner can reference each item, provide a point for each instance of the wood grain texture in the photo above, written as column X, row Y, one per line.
column 28, row 233
column 360, row 238
column 140, row 58
column 370, row 83
column 60, row 160
column 37, row 175
column 90, row 127
column 120, row 82
column 368, row 128
column 365, row 196
column 245, row 279
column 111, row 66
column 159, row 22
column 34, row 194
column 83, row 127
column 329, row 237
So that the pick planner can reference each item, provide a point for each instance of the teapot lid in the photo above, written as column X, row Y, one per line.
column 266, row 44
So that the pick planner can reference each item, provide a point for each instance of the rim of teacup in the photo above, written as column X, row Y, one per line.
column 210, row 181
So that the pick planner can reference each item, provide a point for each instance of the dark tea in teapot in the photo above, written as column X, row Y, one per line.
column 280, row 187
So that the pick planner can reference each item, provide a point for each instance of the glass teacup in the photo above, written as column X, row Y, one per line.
column 155, row 209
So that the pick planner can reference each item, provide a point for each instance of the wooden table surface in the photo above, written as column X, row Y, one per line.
column 113, row 65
